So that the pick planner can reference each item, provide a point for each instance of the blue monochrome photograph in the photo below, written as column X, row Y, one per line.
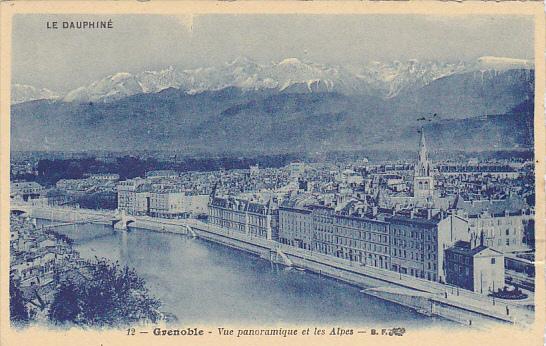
column 352, row 173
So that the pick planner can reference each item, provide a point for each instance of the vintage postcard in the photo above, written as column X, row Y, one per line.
column 272, row 172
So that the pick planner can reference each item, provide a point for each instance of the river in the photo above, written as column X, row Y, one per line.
column 207, row 283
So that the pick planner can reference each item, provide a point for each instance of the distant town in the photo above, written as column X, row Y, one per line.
column 465, row 223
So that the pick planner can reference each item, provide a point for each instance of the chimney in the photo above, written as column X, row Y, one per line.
column 412, row 212
column 429, row 213
column 374, row 210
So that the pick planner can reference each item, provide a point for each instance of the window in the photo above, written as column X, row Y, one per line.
column 492, row 261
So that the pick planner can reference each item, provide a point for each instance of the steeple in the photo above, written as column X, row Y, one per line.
column 423, row 152
column 423, row 168
column 423, row 180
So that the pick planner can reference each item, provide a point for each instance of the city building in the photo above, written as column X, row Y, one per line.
column 241, row 215
column 104, row 176
column 478, row 171
column 419, row 238
column 166, row 203
column 167, row 173
column 169, row 202
column 296, row 223
column 361, row 239
column 25, row 190
column 75, row 186
column 58, row 197
column 127, row 195
column 349, row 233
column 501, row 223
column 142, row 199
column 155, row 198
column 254, row 170
column 479, row 269
column 296, row 169
column 350, row 177
column 394, row 182
column 37, row 255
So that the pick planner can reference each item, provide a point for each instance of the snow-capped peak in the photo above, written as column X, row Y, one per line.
column 23, row 93
column 120, row 76
column 290, row 61
column 242, row 60
column 391, row 78
column 502, row 63
column 385, row 79
column 110, row 88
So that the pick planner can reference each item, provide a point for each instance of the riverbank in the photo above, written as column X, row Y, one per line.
column 426, row 297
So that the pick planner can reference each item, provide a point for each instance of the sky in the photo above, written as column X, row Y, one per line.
column 62, row 60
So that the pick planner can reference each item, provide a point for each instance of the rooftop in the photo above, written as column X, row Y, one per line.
column 463, row 248
column 477, row 207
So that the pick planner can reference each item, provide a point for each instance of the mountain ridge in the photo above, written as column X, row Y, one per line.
column 270, row 120
column 384, row 79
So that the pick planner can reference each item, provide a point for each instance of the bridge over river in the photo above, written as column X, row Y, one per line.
column 73, row 216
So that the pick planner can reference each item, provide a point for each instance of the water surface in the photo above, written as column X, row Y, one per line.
column 204, row 282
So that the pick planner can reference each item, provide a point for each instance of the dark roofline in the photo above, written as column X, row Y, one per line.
column 296, row 209
column 406, row 219
column 318, row 206
column 352, row 217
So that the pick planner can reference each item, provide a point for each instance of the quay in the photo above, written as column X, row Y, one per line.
column 426, row 297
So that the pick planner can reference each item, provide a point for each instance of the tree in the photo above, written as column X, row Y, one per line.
column 65, row 306
column 118, row 296
column 18, row 311
column 98, row 200
column 108, row 296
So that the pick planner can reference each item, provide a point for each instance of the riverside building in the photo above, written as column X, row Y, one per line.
column 418, row 241
column 479, row 269
column 296, row 224
column 248, row 217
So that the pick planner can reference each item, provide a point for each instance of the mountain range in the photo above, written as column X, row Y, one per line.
column 381, row 79
column 304, row 108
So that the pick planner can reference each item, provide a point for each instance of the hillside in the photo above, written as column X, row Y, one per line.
column 469, row 110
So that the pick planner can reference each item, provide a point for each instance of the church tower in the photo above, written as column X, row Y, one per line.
column 423, row 181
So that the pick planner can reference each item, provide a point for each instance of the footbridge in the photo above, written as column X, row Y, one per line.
column 72, row 216
column 79, row 222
